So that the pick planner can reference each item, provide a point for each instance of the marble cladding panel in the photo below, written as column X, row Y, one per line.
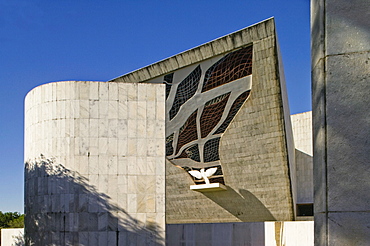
column 107, row 138
column 228, row 234
column 302, row 132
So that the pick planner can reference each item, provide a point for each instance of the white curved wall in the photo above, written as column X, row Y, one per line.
column 101, row 178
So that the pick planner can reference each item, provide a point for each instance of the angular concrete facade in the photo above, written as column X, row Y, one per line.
column 341, row 118
column 256, row 150
column 114, row 163
column 95, row 171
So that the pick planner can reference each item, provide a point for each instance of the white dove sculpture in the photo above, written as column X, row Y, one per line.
column 203, row 174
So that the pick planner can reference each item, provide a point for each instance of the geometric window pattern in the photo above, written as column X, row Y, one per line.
column 168, row 79
column 191, row 152
column 188, row 132
column 235, row 65
column 212, row 114
column 185, row 90
column 169, row 145
column 234, row 109
column 211, row 150
column 196, row 133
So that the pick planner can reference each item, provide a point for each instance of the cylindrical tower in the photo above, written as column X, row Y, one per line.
column 94, row 172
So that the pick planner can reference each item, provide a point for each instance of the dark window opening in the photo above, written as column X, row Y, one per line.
column 305, row 209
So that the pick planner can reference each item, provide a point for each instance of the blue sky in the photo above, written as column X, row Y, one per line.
column 43, row 41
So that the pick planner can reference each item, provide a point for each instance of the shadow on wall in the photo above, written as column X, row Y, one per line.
column 16, row 240
column 303, row 157
column 340, row 102
column 19, row 240
column 245, row 206
column 63, row 209
column 304, row 169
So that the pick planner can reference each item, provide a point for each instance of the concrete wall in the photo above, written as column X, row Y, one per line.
column 12, row 237
column 231, row 234
column 94, row 170
column 302, row 132
column 253, row 153
column 256, row 151
column 341, row 118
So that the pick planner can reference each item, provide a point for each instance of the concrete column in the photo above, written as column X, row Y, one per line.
column 340, row 32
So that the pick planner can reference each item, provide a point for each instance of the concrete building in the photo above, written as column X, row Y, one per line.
column 204, row 136
column 340, row 105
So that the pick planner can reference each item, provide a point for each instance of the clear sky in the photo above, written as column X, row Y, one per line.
column 44, row 40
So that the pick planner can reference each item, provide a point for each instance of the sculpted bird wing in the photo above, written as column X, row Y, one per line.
column 211, row 171
column 195, row 174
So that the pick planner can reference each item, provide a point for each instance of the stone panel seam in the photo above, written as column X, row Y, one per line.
column 349, row 211
column 323, row 59
column 325, row 127
column 348, row 53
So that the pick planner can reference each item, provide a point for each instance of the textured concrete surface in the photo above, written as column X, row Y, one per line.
column 255, row 148
column 94, row 157
column 252, row 233
column 256, row 151
column 340, row 82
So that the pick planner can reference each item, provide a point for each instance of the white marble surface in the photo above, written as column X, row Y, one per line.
column 12, row 237
column 302, row 131
column 111, row 135
column 288, row 233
